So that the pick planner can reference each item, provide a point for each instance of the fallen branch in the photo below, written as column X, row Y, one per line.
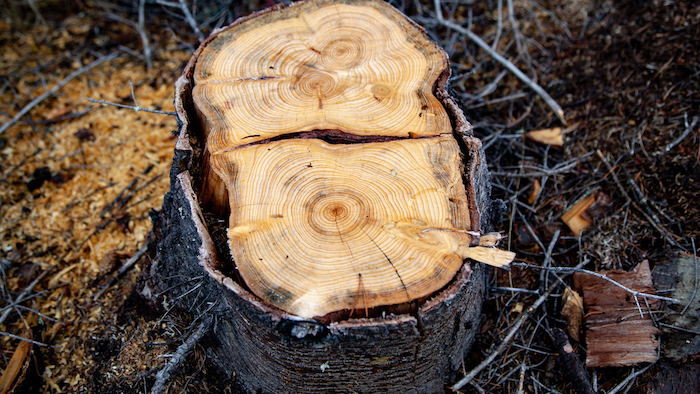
column 177, row 359
column 505, row 62
column 53, row 90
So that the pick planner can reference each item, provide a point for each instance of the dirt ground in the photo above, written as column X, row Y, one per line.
column 78, row 178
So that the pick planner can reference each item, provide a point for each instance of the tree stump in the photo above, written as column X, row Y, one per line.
column 325, row 192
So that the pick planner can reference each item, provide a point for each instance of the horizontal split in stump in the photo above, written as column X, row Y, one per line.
column 322, row 136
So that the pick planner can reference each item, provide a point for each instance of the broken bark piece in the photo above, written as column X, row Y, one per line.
column 536, row 187
column 349, row 216
column 616, row 333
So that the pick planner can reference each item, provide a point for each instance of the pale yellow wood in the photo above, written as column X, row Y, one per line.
column 312, row 227
column 360, row 68
column 317, row 228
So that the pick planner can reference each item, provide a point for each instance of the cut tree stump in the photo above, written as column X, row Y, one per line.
column 325, row 192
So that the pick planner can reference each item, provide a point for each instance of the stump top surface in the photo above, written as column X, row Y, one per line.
column 344, row 180
column 336, row 227
column 319, row 65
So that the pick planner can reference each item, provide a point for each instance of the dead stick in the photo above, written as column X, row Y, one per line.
column 634, row 293
column 182, row 351
column 570, row 365
column 506, row 63
column 21, row 297
column 629, row 378
column 514, row 330
column 53, row 90
column 689, row 128
column 129, row 263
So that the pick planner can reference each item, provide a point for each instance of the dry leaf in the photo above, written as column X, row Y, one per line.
column 553, row 136
column 575, row 218
column 573, row 312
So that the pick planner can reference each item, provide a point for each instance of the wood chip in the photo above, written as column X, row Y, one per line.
column 576, row 218
column 18, row 363
column 536, row 187
column 573, row 312
column 616, row 333
column 553, row 136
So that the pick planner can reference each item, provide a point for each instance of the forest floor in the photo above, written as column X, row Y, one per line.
column 78, row 178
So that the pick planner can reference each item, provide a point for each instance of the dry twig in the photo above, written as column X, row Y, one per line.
column 505, row 62
column 181, row 353
column 688, row 129
column 182, row 5
column 23, row 295
column 13, row 336
column 136, row 107
column 634, row 293
column 628, row 379
column 53, row 90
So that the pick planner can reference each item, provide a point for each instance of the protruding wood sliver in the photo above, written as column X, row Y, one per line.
column 325, row 192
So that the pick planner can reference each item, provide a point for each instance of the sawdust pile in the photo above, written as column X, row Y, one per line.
column 77, row 181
